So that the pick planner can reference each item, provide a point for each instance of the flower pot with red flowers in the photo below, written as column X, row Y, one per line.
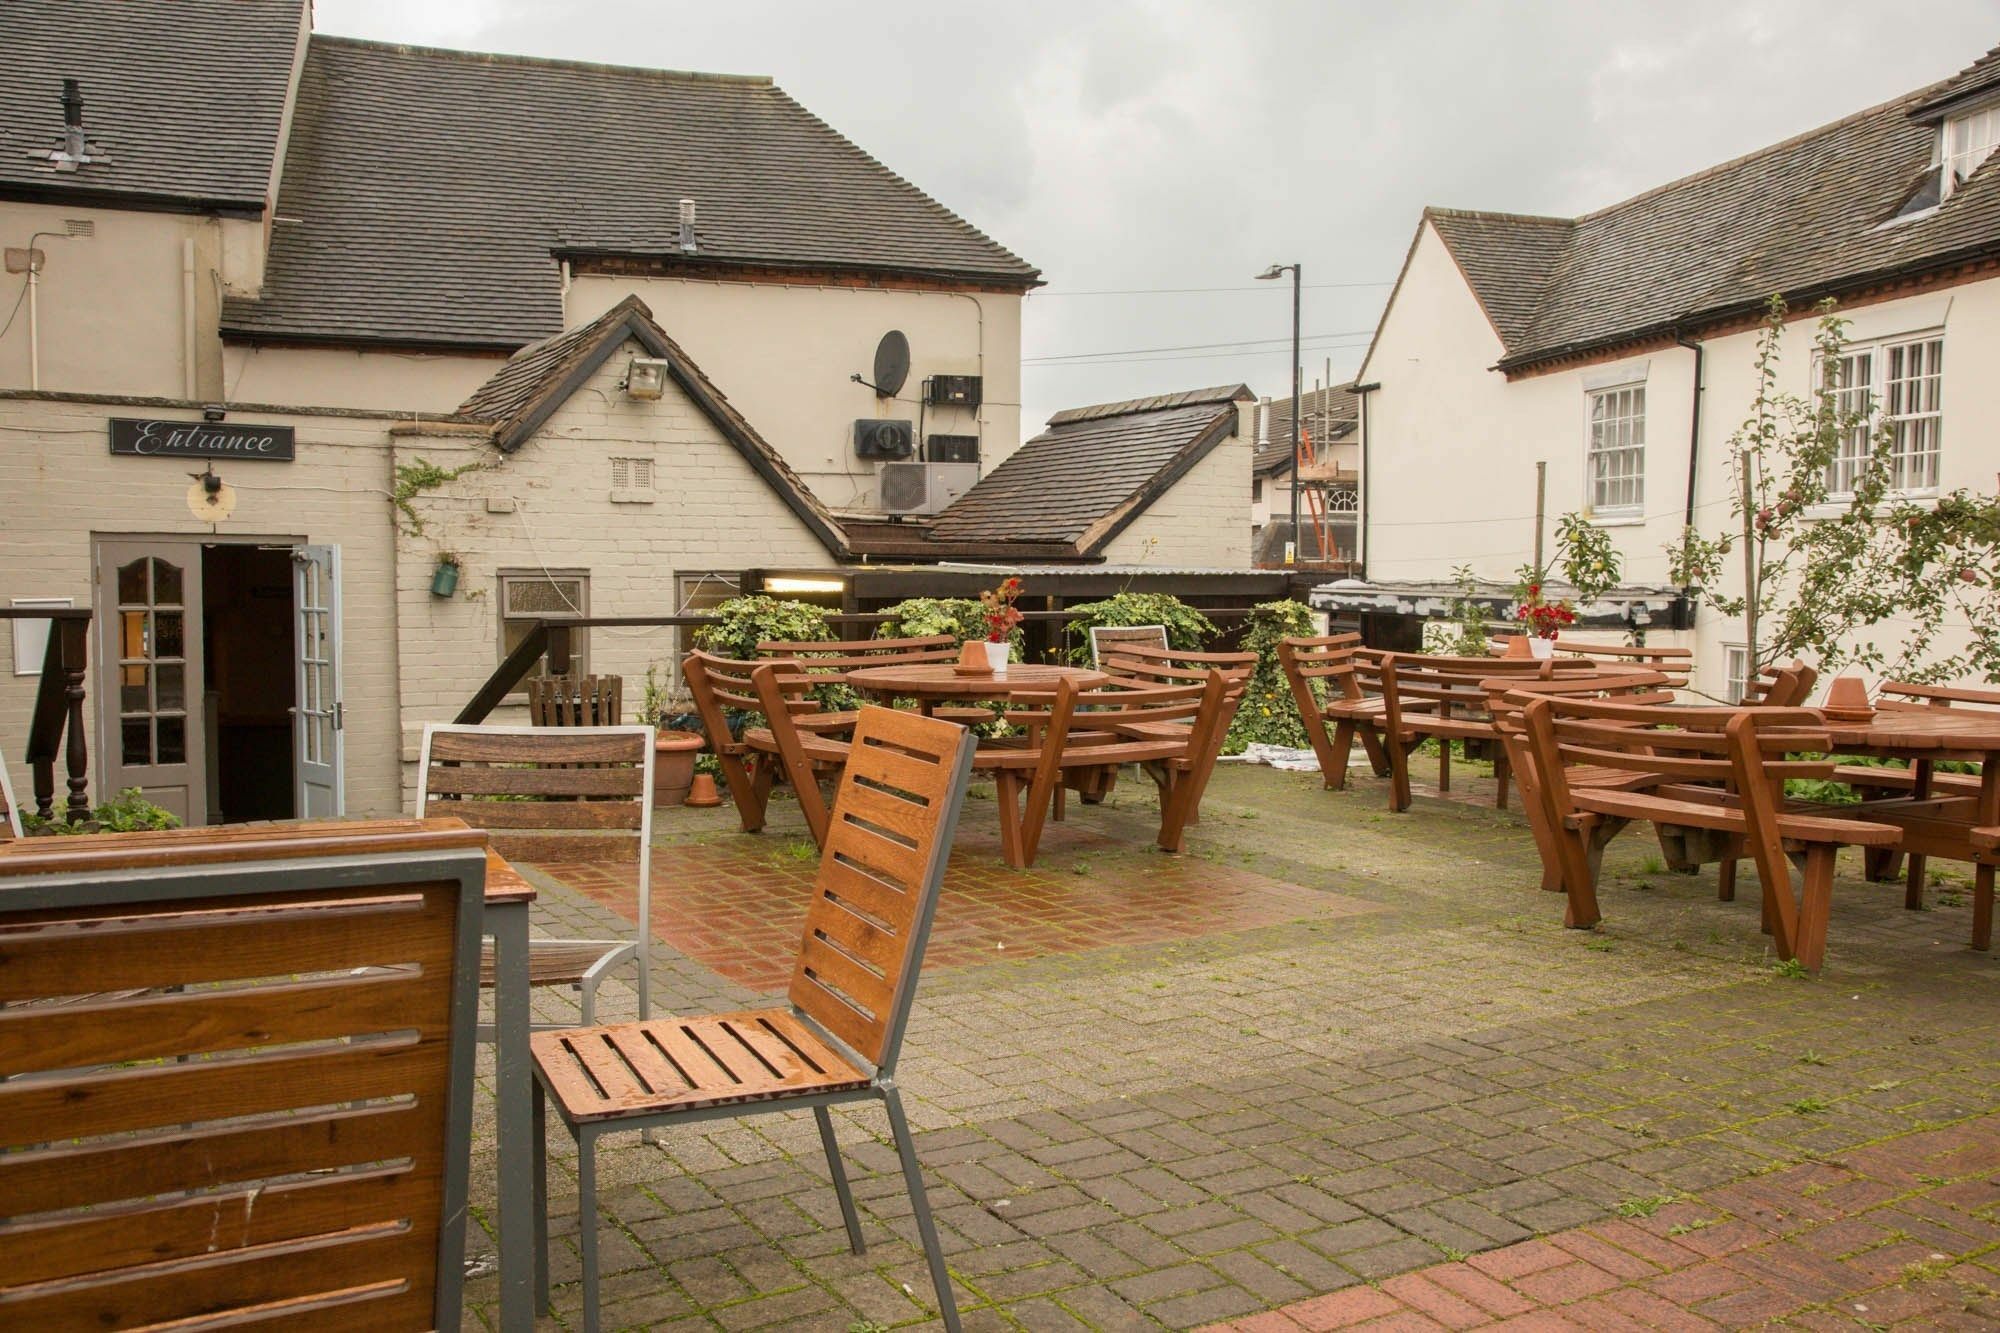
column 1542, row 618
column 1001, row 615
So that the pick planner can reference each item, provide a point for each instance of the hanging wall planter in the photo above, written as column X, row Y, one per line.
column 444, row 579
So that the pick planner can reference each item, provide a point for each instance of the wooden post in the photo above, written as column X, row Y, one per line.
column 1750, row 570
column 559, row 650
column 1541, row 510
column 75, row 635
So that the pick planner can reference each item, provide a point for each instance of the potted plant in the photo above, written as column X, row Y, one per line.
column 997, row 606
column 674, row 746
column 444, row 578
column 1541, row 618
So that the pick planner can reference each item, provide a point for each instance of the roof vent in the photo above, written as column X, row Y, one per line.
column 76, row 151
column 688, row 245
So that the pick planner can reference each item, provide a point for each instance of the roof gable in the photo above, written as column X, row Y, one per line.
column 185, row 100
column 1093, row 471
column 537, row 380
column 430, row 193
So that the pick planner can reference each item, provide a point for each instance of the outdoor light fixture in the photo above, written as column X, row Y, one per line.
column 804, row 585
column 646, row 378
column 1273, row 272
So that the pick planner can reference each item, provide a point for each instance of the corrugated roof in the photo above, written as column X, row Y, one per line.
column 428, row 191
column 186, row 99
column 1805, row 217
column 1093, row 470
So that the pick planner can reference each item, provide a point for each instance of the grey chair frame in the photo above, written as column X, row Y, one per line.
column 881, row 1085
column 111, row 888
column 7, row 797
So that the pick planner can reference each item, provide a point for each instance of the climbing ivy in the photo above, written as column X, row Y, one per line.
column 414, row 479
column 1268, row 714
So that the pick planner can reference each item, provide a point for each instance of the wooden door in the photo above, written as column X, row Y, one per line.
column 150, row 673
column 316, row 708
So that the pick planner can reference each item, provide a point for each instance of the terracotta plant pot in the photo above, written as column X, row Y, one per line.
column 1517, row 646
column 703, row 794
column 673, row 766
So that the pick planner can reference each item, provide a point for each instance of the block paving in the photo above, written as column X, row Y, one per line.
column 1330, row 1068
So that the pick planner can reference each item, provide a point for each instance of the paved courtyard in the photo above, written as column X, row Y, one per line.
column 1332, row 1067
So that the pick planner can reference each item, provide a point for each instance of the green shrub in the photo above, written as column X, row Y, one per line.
column 128, row 812
column 749, row 621
column 920, row 617
column 1269, row 715
column 1187, row 628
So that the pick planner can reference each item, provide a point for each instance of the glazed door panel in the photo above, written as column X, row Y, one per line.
column 150, row 673
column 316, row 709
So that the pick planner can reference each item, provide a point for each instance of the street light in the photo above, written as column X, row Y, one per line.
column 1273, row 272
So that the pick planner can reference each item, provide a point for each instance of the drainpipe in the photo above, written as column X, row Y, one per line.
column 187, row 319
column 1694, row 444
column 1361, row 391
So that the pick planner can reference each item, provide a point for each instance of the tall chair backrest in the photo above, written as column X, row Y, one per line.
column 10, row 827
column 1756, row 746
column 837, row 657
column 1783, row 685
column 1329, row 659
column 720, row 686
column 785, row 694
column 1902, row 695
column 244, row 1084
column 1673, row 663
column 1105, row 639
column 1173, row 666
column 1453, row 686
column 549, row 795
column 576, row 701
column 873, row 901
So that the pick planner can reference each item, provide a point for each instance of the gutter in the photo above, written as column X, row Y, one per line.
column 1361, row 392
column 1694, row 430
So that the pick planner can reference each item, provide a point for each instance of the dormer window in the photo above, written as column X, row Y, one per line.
column 1968, row 140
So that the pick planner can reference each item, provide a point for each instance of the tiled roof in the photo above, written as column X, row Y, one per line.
column 1805, row 218
column 539, row 378
column 1092, row 471
column 426, row 192
column 1330, row 414
column 185, row 99
column 1980, row 77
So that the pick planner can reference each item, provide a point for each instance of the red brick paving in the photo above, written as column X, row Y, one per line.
column 736, row 903
column 1689, row 1267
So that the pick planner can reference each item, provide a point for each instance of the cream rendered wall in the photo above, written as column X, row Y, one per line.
column 112, row 306
column 65, row 488
column 783, row 354
column 397, row 382
column 1200, row 523
column 711, row 512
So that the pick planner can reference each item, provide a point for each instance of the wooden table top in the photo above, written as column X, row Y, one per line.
column 221, row 844
column 1919, row 729
column 940, row 680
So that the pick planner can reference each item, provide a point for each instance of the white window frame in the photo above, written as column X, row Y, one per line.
column 1965, row 142
column 1916, row 474
column 1735, row 671
column 1634, row 443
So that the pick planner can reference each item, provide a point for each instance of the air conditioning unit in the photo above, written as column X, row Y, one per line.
column 923, row 488
column 951, row 448
column 885, row 439
column 953, row 390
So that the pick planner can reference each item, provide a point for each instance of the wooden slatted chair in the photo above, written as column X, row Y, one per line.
column 1133, row 663
column 576, row 701
column 808, row 754
column 1676, row 664
column 1106, row 639
column 1919, row 780
column 748, row 752
column 552, row 795
column 832, row 659
column 863, row 947
column 243, row 1079
column 1507, row 696
column 1324, row 674
column 1780, row 685
column 1721, row 769
column 1442, row 698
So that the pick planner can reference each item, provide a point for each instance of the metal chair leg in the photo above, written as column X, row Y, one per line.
column 839, row 1173
column 920, row 1208
column 589, row 988
column 540, row 1166
column 586, row 1207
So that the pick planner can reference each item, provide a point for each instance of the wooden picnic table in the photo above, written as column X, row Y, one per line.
column 933, row 683
column 1936, row 825
column 505, row 919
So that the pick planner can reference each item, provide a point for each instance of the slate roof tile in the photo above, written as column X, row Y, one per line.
column 1332, row 414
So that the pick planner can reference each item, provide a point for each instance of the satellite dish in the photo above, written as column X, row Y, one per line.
column 211, row 506
column 892, row 363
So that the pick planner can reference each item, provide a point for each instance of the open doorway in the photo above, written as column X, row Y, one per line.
column 248, row 681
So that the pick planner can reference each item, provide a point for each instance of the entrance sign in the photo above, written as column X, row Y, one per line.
column 202, row 439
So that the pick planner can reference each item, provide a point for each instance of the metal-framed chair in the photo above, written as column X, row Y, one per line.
column 866, row 928
column 550, row 795
column 244, row 1077
column 12, row 826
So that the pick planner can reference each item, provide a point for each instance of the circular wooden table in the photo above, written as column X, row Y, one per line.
column 931, row 683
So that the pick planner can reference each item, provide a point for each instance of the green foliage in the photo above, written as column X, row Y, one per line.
column 1470, row 613
column 749, row 621
column 1645, row 1205
column 415, row 478
column 1818, row 575
column 920, row 617
column 1588, row 560
column 128, row 812
column 1269, row 715
column 1187, row 628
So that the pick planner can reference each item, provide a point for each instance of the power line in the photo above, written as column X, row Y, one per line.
column 1180, row 291
column 1196, row 347
column 1189, row 356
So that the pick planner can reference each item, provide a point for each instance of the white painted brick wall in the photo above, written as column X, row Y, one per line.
column 1202, row 522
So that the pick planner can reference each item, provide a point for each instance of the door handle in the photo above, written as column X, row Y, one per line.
column 339, row 715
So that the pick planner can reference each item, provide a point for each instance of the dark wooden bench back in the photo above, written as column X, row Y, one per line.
column 880, row 870
column 576, row 701
column 240, row 1082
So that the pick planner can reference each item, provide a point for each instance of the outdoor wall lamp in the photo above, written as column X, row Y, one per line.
column 1273, row 272
column 646, row 377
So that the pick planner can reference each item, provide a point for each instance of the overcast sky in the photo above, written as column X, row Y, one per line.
column 1174, row 145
